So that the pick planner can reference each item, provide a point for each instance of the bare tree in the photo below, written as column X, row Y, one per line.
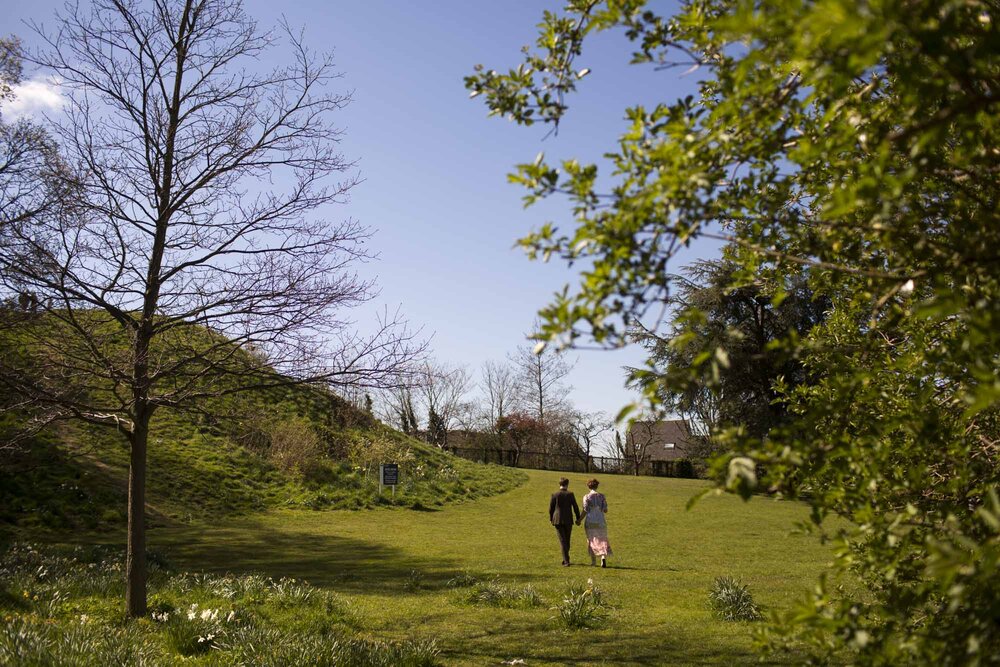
column 587, row 429
column 32, row 177
column 540, row 380
column 442, row 390
column 395, row 407
column 499, row 387
column 639, row 437
column 196, row 261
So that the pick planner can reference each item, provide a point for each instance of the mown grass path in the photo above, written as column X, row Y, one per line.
column 393, row 566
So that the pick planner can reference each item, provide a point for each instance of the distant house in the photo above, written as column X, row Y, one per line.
column 661, row 442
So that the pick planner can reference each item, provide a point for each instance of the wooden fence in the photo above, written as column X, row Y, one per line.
column 575, row 463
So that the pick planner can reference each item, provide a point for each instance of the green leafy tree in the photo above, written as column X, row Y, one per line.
column 860, row 141
column 437, row 430
column 745, row 330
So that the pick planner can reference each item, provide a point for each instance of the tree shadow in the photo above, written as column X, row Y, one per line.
column 588, row 648
column 341, row 563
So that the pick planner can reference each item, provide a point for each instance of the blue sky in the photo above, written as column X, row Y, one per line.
column 435, row 166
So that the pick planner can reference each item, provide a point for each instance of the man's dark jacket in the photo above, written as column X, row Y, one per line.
column 562, row 508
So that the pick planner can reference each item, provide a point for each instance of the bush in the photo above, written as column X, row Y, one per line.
column 294, row 446
column 732, row 601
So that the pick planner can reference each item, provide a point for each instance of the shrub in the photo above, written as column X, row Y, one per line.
column 367, row 453
column 732, row 601
column 294, row 445
column 583, row 607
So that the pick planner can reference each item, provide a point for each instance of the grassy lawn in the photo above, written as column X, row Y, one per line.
column 393, row 567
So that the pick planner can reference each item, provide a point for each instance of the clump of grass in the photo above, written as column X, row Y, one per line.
column 582, row 607
column 495, row 593
column 269, row 647
column 463, row 580
column 732, row 601
column 25, row 641
column 414, row 581
column 194, row 631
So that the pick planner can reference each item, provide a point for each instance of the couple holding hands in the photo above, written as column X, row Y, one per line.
column 562, row 509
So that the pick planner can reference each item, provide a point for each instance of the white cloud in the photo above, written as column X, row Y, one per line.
column 33, row 98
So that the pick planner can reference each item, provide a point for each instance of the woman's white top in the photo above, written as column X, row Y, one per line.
column 594, row 507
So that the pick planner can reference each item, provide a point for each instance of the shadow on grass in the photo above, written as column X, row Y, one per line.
column 340, row 563
column 585, row 647
column 420, row 507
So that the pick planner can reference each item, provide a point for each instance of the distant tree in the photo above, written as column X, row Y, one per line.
column 395, row 405
column 499, row 387
column 34, row 181
column 442, row 390
column 635, row 447
column 587, row 429
column 521, row 431
column 196, row 260
column 746, row 328
column 437, row 429
column 541, row 388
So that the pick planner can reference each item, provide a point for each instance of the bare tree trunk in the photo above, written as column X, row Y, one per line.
column 135, row 551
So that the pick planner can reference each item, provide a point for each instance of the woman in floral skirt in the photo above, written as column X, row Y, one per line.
column 595, row 506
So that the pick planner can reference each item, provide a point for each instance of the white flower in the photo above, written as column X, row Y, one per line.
column 84, row 618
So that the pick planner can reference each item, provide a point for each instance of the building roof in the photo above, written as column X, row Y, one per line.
column 658, row 436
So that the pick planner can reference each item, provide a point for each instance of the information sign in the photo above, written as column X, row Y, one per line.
column 390, row 474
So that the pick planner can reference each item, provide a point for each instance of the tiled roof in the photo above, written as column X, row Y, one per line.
column 656, row 435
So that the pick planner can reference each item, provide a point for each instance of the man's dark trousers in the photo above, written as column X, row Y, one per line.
column 564, row 530
column 563, row 511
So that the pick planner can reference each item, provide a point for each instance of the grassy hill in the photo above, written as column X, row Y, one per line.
column 296, row 446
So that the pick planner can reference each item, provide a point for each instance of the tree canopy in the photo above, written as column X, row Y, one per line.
column 858, row 141
column 714, row 314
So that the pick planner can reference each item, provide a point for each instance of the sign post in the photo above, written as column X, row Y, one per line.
column 388, row 475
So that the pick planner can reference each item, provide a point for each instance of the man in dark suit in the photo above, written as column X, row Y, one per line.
column 562, row 509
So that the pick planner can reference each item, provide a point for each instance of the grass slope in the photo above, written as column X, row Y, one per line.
column 74, row 476
column 219, row 457
column 394, row 568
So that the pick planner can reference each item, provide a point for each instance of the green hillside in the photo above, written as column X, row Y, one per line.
column 297, row 446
